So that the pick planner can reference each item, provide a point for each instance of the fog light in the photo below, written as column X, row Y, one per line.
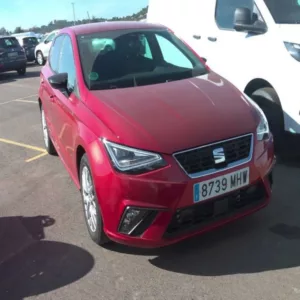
column 132, row 217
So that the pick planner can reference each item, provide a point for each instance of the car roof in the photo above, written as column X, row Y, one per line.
column 7, row 36
column 110, row 26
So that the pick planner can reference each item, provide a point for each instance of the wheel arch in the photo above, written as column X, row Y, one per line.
column 256, row 84
column 80, row 151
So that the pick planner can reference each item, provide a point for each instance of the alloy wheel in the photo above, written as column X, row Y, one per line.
column 90, row 207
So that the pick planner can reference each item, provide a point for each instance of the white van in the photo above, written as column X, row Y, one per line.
column 255, row 44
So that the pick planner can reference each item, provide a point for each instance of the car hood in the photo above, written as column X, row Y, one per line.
column 176, row 115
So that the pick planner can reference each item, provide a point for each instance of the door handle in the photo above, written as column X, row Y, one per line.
column 197, row 37
column 52, row 98
column 212, row 39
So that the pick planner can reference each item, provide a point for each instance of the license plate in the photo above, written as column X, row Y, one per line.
column 12, row 54
column 221, row 185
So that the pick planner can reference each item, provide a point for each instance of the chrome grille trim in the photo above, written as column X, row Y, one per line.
column 214, row 170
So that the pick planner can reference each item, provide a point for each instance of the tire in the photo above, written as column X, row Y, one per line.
column 47, row 140
column 269, row 102
column 90, row 203
column 22, row 71
column 40, row 60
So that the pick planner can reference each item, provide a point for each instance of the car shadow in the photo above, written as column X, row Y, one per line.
column 289, row 155
column 268, row 240
column 32, row 65
column 30, row 265
column 13, row 76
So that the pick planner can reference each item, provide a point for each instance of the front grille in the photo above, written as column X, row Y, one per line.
column 198, row 216
column 200, row 161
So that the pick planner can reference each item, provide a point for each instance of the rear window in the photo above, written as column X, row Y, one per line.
column 8, row 42
column 30, row 41
column 131, row 58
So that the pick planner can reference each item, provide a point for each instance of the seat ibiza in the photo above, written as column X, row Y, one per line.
column 161, row 147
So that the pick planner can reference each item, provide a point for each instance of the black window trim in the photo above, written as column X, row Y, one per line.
column 232, row 29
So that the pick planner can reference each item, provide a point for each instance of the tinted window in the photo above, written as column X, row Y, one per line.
column 127, row 58
column 55, row 53
column 67, row 64
column 284, row 12
column 225, row 11
column 30, row 41
column 8, row 42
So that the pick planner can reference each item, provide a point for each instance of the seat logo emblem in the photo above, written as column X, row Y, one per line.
column 219, row 155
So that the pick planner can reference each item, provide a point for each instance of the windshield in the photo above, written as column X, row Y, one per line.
column 284, row 11
column 8, row 42
column 30, row 41
column 128, row 58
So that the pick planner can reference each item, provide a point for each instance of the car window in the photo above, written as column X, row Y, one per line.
column 225, row 11
column 30, row 41
column 130, row 58
column 259, row 15
column 54, row 55
column 8, row 42
column 284, row 12
column 172, row 54
column 145, row 43
column 67, row 64
column 50, row 37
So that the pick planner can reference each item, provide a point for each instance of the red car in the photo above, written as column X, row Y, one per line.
column 160, row 146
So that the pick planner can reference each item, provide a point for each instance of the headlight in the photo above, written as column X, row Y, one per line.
column 263, row 130
column 294, row 50
column 133, row 161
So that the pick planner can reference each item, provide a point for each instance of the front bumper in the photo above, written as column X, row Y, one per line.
column 167, row 196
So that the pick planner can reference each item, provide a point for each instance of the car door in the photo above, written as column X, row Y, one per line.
column 65, row 104
column 47, row 92
column 197, row 24
column 235, row 55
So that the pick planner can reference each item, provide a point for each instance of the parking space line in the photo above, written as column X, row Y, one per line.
column 6, row 102
column 36, row 157
column 27, row 97
column 42, row 151
column 23, row 99
column 22, row 145
column 26, row 101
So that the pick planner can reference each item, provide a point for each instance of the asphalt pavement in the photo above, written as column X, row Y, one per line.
column 46, row 253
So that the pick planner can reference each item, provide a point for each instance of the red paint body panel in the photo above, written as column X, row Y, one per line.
column 163, row 118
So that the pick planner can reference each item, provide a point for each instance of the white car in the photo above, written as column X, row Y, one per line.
column 255, row 44
column 43, row 48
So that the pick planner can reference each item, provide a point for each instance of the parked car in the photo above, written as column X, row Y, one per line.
column 161, row 147
column 43, row 48
column 242, row 40
column 12, row 55
column 28, row 43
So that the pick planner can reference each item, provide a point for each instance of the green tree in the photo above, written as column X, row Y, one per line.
column 18, row 30
column 3, row 31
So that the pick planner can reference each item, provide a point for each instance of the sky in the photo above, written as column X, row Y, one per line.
column 28, row 13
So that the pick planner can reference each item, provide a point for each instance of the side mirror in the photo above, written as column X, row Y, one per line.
column 59, row 81
column 245, row 20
